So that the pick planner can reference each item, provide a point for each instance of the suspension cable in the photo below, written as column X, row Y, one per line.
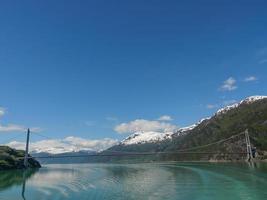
column 12, row 138
column 193, row 148
column 127, row 153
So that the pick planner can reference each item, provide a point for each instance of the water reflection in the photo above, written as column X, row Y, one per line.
column 157, row 181
column 137, row 181
column 12, row 178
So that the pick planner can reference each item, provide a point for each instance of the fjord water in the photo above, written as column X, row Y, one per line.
column 186, row 181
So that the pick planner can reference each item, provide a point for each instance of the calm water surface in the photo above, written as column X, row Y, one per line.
column 177, row 181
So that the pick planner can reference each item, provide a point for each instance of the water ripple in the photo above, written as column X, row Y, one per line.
column 142, row 181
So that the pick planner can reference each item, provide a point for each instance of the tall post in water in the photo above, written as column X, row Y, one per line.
column 23, row 185
column 27, row 149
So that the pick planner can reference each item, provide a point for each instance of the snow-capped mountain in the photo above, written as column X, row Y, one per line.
column 154, row 137
column 184, row 130
column 56, row 151
column 144, row 137
column 248, row 100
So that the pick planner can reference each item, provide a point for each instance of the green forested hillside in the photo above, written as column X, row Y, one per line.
column 247, row 115
column 251, row 116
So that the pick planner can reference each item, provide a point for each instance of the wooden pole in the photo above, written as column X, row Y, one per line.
column 27, row 149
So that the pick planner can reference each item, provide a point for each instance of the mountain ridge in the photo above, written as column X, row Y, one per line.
column 183, row 130
column 250, row 113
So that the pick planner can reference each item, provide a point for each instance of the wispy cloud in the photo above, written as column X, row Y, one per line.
column 263, row 61
column 228, row 102
column 144, row 126
column 12, row 128
column 9, row 127
column 220, row 104
column 113, row 119
column 262, row 52
column 90, row 123
column 2, row 111
column 262, row 56
column 17, row 128
column 165, row 118
column 250, row 78
column 211, row 106
column 229, row 84
column 68, row 144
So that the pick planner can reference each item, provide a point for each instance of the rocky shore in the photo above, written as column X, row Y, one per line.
column 13, row 159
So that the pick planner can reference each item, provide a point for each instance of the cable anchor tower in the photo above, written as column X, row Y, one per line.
column 26, row 156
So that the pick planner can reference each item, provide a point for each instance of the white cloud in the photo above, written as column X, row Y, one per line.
column 165, row 118
column 250, row 78
column 17, row 128
column 95, row 145
column 229, row 84
column 68, row 144
column 144, row 126
column 12, row 128
column 9, row 127
column 211, row 106
column 2, row 111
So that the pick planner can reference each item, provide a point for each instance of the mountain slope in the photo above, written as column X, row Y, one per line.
column 145, row 137
column 250, row 114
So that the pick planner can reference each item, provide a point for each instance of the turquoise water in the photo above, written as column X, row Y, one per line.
column 200, row 181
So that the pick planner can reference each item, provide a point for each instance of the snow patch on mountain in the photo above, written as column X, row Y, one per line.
column 144, row 137
column 252, row 99
column 248, row 100
column 184, row 130
column 226, row 109
column 153, row 136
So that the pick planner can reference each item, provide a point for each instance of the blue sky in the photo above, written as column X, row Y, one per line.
column 77, row 68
